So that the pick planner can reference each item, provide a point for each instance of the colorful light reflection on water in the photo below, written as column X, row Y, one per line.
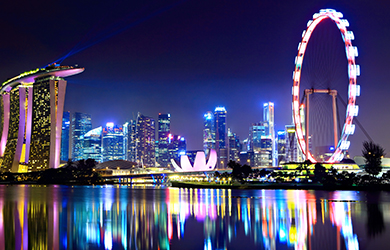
column 122, row 217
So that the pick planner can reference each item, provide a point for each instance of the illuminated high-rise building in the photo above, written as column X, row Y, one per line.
column 269, row 120
column 208, row 132
column 176, row 146
column 65, row 136
column 221, row 140
column 293, row 152
column 92, row 148
column 281, row 146
column 125, row 128
column 131, row 140
column 81, row 124
column 112, row 143
column 256, row 132
column 32, row 108
column 234, row 146
column 145, row 137
column 164, row 129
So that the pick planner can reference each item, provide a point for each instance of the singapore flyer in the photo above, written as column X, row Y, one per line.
column 301, row 119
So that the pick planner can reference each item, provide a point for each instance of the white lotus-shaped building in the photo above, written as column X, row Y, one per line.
column 199, row 163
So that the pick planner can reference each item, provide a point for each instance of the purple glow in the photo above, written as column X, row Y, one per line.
column 28, row 123
column 199, row 164
column 4, row 136
column 22, row 122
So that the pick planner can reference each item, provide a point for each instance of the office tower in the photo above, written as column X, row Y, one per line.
column 256, row 132
column 281, row 146
column 112, row 142
column 65, row 136
column 31, row 117
column 46, row 123
column 176, row 146
column 92, row 148
column 208, row 132
column 145, row 134
column 269, row 120
column 234, row 147
column 293, row 152
column 131, row 140
column 81, row 124
column 265, row 153
column 221, row 141
column 164, row 129
column 125, row 128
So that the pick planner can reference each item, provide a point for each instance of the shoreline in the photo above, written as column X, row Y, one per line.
column 289, row 186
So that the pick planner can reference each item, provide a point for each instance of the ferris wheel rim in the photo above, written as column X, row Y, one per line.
column 353, row 88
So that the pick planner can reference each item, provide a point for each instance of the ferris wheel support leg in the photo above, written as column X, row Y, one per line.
column 335, row 131
column 307, row 93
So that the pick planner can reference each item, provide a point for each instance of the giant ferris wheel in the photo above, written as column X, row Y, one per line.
column 301, row 109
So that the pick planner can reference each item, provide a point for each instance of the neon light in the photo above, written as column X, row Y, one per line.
column 350, row 129
column 353, row 72
column 220, row 109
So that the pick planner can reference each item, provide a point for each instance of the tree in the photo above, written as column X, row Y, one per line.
column 373, row 154
column 319, row 172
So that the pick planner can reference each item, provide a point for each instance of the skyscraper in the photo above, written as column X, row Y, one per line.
column 281, row 146
column 176, row 146
column 145, row 137
column 125, row 128
column 269, row 120
column 32, row 108
column 234, row 146
column 48, row 105
column 65, row 136
column 208, row 132
column 293, row 152
column 92, row 148
column 81, row 124
column 164, row 129
column 256, row 132
column 112, row 143
column 131, row 140
column 221, row 141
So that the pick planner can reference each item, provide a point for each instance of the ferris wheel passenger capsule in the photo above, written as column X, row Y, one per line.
column 353, row 110
column 349, row 35
column 350, row 129
column 345, row 145
column 339, row 157
column 357, row 70
column 344, row 22
column 338, row 14
column 354, row 90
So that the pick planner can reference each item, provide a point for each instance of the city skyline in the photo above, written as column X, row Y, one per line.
column 191, row 57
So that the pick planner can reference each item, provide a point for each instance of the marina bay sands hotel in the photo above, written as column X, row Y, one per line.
column 32, row 105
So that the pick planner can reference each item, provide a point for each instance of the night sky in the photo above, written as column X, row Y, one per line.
column 187, row 57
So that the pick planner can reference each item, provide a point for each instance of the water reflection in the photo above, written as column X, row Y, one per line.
column 120, row 217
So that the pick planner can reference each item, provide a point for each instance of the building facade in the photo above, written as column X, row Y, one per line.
column 131, row 140
column 92, row 148
column 164, row 129
column 234, row 147
column 113, row 143
column 81, row 124
column 208, row 132
column 145, row 137
column 269, row 120
column 221, row 140
column 177, row 147
column 65, row 136
column 32, row 108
